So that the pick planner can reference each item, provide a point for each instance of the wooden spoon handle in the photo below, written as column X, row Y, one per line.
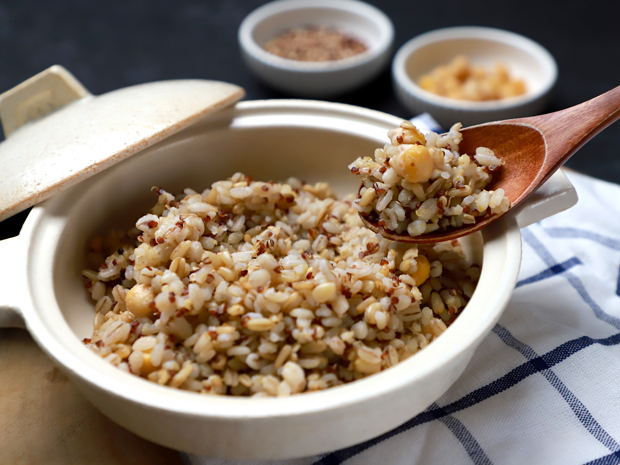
column 566, row 131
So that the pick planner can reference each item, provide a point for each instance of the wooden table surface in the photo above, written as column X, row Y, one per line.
column 45, row 420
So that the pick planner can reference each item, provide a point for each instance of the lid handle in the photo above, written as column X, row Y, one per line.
column 42, row 94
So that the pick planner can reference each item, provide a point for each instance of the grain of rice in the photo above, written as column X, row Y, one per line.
column 324, row 292
column 98, row 291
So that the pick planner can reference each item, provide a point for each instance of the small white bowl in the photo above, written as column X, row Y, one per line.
column 316, row 79
column 524, row 58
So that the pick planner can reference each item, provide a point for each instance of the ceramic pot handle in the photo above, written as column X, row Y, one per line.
column 13, row 282
column 555, row 195
column 39, row 96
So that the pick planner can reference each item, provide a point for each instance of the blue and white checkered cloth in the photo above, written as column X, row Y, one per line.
column 544, row 386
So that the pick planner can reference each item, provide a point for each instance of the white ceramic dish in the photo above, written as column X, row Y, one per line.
column 42, row 287
column 316, row 79
column 524, row 58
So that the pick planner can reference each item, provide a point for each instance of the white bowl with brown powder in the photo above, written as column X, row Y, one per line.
column 316, row 48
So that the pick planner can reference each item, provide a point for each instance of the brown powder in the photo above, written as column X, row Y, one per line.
column 314, row 44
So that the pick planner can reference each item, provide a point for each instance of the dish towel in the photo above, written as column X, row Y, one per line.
column 544, row 386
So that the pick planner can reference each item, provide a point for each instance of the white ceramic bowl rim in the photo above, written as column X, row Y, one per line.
column 42, row 230
column 536, row 50
column 352, row 7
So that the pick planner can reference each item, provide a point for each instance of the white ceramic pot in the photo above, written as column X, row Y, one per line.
column 42, row 287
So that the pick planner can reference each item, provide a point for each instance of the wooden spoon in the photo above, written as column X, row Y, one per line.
column 532, row 149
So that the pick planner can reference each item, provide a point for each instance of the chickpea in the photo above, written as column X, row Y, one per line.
column 138, row 300
column 414, row 165
column 423, row 270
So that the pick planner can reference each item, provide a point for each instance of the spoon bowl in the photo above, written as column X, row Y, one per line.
column 532, row 149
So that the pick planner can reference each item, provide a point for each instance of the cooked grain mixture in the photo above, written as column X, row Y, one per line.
column 314, row 44
column 265, row 289
column 461, row 80
column 418, row 184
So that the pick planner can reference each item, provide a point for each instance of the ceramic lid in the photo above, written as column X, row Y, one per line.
column 58, row 134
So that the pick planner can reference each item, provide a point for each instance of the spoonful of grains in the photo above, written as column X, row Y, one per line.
column 433, row 188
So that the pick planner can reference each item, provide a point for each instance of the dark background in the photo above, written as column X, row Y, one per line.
column 118, row 43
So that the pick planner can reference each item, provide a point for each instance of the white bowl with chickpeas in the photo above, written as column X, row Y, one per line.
column 276, row 139
column 473, row 75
